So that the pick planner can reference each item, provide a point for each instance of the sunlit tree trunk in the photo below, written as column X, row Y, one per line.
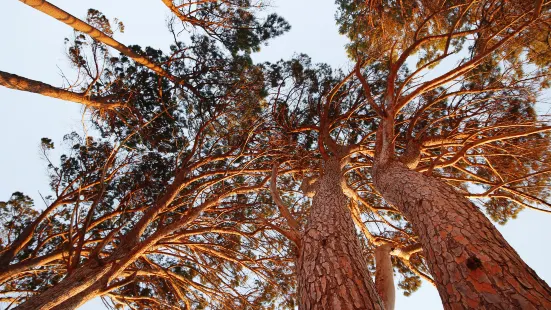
column 83, row 279
column 472, row 264
column 384, row 276
column 332, row 272
column 8, row 271
column 81, row 298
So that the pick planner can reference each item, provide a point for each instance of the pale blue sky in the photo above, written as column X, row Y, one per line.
column 32, row 46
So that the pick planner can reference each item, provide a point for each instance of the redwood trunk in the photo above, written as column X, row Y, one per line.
column 332, row 272
column 472, row 264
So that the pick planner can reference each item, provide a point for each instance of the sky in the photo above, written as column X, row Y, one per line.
column 33, row 47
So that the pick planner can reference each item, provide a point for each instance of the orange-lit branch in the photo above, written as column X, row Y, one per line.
column 20, row 83
column 77, row 24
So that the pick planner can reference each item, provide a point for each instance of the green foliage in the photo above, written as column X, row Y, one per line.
column 47, row 144
column 502, row 210
column 15, row 215
column 203, row 138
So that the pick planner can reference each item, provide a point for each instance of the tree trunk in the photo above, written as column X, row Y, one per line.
column 384, row 276
column 81, row 298
column 86, row 278
column 472, row 264
column 332, row 272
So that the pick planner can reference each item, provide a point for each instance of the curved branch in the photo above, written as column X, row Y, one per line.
column 280, row 205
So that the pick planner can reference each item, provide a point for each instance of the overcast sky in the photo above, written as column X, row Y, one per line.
column 32, row 46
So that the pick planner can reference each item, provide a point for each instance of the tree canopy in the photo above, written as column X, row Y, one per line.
column 194, row 190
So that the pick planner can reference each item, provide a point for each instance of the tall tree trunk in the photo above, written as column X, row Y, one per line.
column 472, row 264
column 332, row 272
column 384, row 275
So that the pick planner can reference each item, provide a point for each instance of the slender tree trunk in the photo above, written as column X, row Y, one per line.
column 384, row 276
column 332, row 272
column 472, row 264
column 77, row 24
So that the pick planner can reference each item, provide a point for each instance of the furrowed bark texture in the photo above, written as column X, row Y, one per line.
column 384, row 276
column 85, row 279
column 472, row 264
column 332, row 273
column 81, row 298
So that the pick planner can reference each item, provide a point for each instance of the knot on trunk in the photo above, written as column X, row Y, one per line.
column 309, row 186
column 474, row 263
column 412, row 155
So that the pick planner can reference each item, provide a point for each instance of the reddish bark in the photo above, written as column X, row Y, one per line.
column 332, row 272
column 20, row 83
column 81, row 298
column 384, row 276
column 472, row 264
column 88, row 276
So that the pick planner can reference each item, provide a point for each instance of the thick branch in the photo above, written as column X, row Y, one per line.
column 20, row 83
column 95, row 33
column 367, row 91
column 280, row 205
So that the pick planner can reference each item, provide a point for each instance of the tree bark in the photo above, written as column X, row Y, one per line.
column 87, row 278
column 20, row 83
column 81, row 298
column 332, row 272
column 472, row 264
column 384, row 276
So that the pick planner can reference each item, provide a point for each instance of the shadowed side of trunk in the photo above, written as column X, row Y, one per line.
column 332, row 272
column 384, row 276
column 472, row 264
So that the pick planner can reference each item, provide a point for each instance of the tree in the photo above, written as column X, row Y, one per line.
column 174, row 264
column 177, row 182
column 154, row 214
column 331, row 256
column 449, row 127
